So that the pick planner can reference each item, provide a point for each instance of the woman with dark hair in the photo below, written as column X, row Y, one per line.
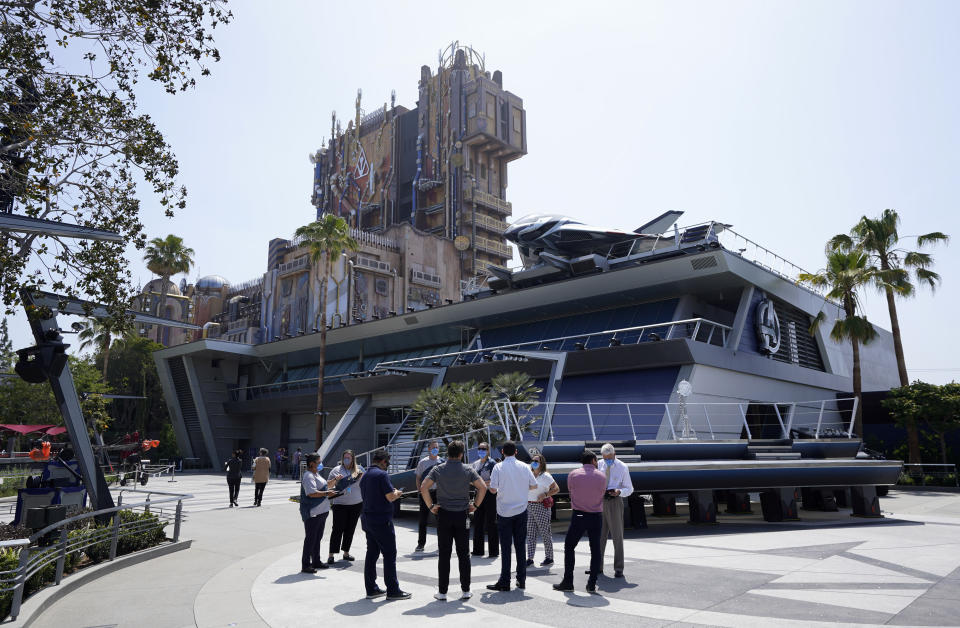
column 261, row 474
column 346, row 508
column 314, row 508
column 234, row 468
column 539, row 505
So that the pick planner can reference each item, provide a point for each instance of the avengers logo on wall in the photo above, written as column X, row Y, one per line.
column 768, row 327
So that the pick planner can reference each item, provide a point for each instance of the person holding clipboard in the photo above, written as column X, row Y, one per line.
column 314, row 508
column 346, row 508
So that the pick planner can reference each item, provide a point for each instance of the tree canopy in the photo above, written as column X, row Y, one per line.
column 74, row 146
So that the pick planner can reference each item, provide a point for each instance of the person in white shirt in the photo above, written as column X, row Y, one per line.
column 539, row 507
column 345, row 477
column 619, row 486
column 512, row 481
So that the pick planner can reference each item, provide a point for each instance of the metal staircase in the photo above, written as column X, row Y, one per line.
column 772, row 449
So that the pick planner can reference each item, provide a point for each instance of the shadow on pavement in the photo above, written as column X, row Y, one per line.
column 297, row 577
column 438, row 608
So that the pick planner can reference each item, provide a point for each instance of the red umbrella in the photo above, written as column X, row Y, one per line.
column 25, row 429
column 53, row 431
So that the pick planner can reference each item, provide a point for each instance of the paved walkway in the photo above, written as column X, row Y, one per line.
column 828, row 570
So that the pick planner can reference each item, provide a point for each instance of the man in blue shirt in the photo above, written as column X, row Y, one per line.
column 377, row 522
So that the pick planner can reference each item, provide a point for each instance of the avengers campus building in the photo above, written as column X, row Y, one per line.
column 688, row 347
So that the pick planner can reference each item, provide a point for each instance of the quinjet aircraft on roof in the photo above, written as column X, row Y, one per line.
column 568, row 238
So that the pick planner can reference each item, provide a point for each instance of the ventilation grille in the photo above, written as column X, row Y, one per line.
column 797, row 346
column 703, row 263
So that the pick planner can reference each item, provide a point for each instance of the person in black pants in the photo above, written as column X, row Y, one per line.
column 423, row 467
column 234, row 468
column 345, row 477
column 377, row 522
column 587, row 487
column 485, row 517
column 453, row 480
column 314, row 508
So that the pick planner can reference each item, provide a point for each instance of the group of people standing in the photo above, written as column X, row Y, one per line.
column 511, row 503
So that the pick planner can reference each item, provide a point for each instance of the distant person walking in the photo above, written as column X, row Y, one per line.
column 346, row 508
column 234, row 467
column 281, row 458
column 297, row 459
column 485, row 518
column 377, row 522
column 314, row 508
column 587, row 486
column 512, row 482
column 423, row 467
column 453, row 480
column 539, row 506
column 261, row 474
column 619, row 486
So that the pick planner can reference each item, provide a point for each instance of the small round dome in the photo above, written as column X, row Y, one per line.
column 211, row 282
column 156, row 287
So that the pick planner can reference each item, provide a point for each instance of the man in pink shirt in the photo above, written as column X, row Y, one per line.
column 586, row 486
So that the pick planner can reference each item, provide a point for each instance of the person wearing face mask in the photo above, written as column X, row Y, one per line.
column 453, row 480
column 346, row 508
column 423, row 467
column 539, row 504
column 314, row 508
column 619, row 486
column 377, row 522
column 587, row 486
column 485, row 517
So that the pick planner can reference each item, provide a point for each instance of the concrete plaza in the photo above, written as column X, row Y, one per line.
column 827, row 570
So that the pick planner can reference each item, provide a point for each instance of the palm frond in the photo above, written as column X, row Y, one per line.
column 840, row 242
column 934, row 237
column 916, row 259
column 928, row 277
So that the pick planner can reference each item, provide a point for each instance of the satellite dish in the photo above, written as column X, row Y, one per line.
column 461, row 243
column 684, row 388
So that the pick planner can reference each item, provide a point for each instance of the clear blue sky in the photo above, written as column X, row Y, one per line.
column 787, row 119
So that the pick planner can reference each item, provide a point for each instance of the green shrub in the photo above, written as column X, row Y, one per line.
column 149, row 531
column 9, row 560
column 906, row 480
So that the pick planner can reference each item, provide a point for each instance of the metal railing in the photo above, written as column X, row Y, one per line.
column 405, row 455
column 933, row 471
column 261, row 391
column 55, row 544
column 699, row 329
column 544, row 421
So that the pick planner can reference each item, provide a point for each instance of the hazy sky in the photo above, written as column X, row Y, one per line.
column 788, row 120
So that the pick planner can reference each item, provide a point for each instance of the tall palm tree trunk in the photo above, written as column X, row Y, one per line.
column 857, row 392
column 323, row 350
column 913, row 432
column 106, row 357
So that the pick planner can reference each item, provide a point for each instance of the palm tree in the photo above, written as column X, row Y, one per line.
column 519, row 391
column 167, row 257
column 96, row 333
column 847, row 271
column 326, row 240
column 879, row 238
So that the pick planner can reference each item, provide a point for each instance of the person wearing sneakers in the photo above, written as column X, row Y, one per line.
column 587, row 486
column 314, row 508
column 377, row 523
column 423, row 467
column 346, row 508
column 539, row 506
column 512, row 481
column 453, row 480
